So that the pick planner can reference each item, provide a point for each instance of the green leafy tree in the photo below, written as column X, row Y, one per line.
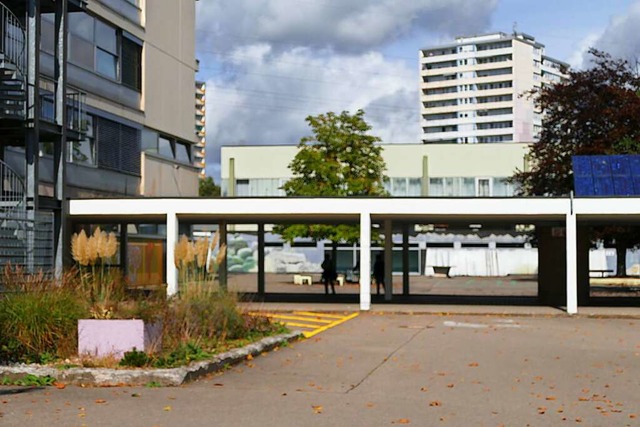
column 208, row 188
column 339, row 159
column 595, row 111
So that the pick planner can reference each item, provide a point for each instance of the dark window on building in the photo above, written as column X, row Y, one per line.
column 131, row 63
column 84, row 151
column 118, row 146
column 103, row 48
column 171, row 149
column 183, row 152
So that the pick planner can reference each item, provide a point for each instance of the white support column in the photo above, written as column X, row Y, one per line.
column 572, row 264
column 172, row 238
column 365, row 261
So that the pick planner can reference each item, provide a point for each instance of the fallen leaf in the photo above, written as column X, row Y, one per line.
column 633, row 416
column 135, row 395
column 550, row 398
column 435, row 403
column 101, row 401
column 583, row 399
column 578, row 420
column 424, row 389
column 167, row 408
column 450, row 385
column 473, row 364
column 249, row 357
column 317, row 409
column 218, row 385
column 403, row 421
column 59, row 386
column 370, row 405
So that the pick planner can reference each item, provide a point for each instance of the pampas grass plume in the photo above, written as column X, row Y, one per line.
column 201, row 249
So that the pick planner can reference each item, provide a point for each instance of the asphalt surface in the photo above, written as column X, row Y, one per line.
column 381, row 369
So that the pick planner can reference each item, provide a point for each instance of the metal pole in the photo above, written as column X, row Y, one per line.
column 222, row 268
column 405, row 259
column 60, row 146
column 388, row 260
column 261, row 272
column 32, row 139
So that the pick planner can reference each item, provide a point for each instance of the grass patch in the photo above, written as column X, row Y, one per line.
column 29, row 381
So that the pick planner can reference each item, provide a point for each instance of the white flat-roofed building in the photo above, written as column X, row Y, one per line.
column 435, row 170
column 475, row 89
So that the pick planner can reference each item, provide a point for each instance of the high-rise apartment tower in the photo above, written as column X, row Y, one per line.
column 199, row 150
column 476, row 89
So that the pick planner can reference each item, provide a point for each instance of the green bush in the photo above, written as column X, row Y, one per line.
column 203, row 317
column 38, row 323
column 134, row 358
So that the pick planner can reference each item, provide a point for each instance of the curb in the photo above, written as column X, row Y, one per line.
column 171, row 377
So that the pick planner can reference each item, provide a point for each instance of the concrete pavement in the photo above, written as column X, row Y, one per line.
column 385, row 369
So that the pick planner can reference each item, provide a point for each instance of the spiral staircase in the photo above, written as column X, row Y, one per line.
column 12, row 67
column 14, row 222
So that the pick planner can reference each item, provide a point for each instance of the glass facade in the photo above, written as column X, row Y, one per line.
column 396, row 186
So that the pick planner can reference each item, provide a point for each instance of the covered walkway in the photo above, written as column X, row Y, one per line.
column 563, row 260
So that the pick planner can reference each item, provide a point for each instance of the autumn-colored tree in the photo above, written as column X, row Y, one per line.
column 594, row 111
column 339, row 159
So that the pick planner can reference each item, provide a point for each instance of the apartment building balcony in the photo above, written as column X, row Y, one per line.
column 13, row 84
column 493, row 52
column 466, row 68
column 474, row 80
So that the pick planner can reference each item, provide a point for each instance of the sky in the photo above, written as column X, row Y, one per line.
column 269, row 64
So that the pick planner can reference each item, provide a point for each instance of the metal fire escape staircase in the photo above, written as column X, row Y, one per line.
column 12, row 67
column 13, row 96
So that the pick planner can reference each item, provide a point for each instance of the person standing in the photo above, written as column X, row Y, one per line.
column 378, row 273
column 329, row 274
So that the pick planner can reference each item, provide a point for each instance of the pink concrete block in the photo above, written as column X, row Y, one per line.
column 114, row 337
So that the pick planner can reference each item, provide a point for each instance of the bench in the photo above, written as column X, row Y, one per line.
column 600, row 272
column 441, row 269
column 299, row 279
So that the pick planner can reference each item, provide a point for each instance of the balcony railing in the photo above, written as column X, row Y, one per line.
column 12, row 194
column 76, row 106
column 12, row 39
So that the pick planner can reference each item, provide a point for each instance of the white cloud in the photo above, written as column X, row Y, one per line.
column 620, row 38
column 269, row 95
column 271, row 63
column 344, row 25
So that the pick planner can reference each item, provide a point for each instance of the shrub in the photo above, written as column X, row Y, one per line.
column 38, row 317
column 134, row 358
column 207, row 317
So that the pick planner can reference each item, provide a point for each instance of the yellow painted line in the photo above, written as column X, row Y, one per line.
column 330, row 325
column 307, row 316
column 301, row 325
column 289, row 317
column 308, row 313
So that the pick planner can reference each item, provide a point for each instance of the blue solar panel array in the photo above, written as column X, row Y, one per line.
column 617, row 175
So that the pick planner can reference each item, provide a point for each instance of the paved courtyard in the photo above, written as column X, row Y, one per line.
column 419, row 285
column 388, row 369
column 463, row 286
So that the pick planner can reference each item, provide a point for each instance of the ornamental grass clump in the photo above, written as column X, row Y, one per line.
column 102, row 284
column 203, row 314
column 197, row 262
column 38, row 316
